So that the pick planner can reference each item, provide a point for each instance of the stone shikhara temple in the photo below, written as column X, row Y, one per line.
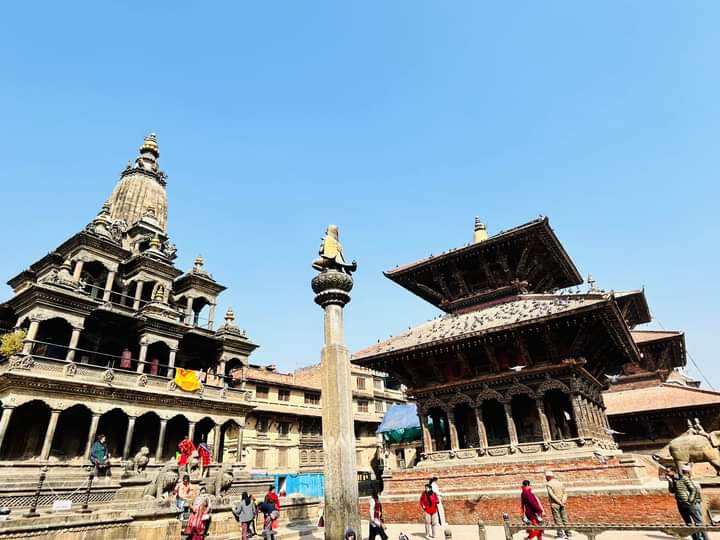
column 509, row 381
column 109, row 318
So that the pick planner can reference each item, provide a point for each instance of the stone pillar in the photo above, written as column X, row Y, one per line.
column 108, row 286
column 142, row 356
column 161, row 440
column 31, row 335
column 216, row 444
column 74, row 338
column 138, row 294
column 7, row 411
column 211, row 317
column 544, row 424
column 171, row 363
column 512, row 430
column 332, row 293
column 482, row 434
column 452, row 429
column 191, row 430
column 426, row 437
column 189, row 311
column 239, row 445
column 128, row 437
column 92, row 432
column 590, row 421
column 78, row 270
column 50, row 434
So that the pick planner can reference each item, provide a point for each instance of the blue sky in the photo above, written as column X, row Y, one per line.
column 400, row 121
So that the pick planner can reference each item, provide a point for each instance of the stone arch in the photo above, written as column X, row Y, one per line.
column 26, row 431
column 203, row 428
column 199, row 311
column 459, row 398
column 225, row 430
column 433, row 402
column 113, row 424
column 147, row 429
column 71, row 433
column 157, row 357
column 53, row 338
column 94, row 277
column 177, row 427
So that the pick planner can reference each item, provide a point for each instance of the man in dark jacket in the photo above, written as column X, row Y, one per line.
column 688, row 497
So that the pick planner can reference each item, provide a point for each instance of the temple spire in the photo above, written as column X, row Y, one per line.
column 480, row 231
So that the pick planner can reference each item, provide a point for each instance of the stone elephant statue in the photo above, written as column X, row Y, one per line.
column 692, row 448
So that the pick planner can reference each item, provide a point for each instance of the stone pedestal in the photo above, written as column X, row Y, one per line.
column 332, row 290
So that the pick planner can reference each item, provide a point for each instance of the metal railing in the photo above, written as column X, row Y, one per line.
column 593, row 530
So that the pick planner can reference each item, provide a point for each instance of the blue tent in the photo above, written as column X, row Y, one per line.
column 400, row 424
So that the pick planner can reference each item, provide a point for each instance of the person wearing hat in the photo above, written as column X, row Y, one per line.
column 558, row 500
column 688, row 497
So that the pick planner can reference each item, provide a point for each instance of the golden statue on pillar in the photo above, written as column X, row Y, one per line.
column 331, row 255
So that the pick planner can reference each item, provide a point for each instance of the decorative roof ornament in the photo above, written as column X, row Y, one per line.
column 198, row 265
column 479, row 231
column 155, row 242
column 150, row 145
column 230, row 328
column 331, row 254
column 230, row 316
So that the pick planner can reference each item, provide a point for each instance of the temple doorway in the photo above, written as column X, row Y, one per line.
column 466, row 426
column 493, row 413
column 26, row 431
column 71, row 433
column 113, row 424
column 560, row 416
column 146, row 433
column 527, row 419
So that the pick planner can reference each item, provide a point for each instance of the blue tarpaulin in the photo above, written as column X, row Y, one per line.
column 399, row 417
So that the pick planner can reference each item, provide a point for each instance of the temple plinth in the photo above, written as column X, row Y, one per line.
column 332, row 291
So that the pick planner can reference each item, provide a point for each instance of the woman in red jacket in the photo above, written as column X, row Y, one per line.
column 429, row 504
column 272, row 498
column 532, row 509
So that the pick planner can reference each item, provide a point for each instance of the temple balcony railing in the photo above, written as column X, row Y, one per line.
column 59, row 369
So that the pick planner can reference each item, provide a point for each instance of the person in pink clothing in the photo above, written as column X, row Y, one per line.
column 532, row 510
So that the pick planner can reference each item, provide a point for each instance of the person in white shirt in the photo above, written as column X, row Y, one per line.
column 441, row 508
column 377, row 525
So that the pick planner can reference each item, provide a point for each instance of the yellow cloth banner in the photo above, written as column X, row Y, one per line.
column 186, row 379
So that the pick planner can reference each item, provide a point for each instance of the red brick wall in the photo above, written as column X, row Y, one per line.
column 638, row 506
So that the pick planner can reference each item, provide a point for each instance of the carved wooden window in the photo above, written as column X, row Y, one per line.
column 284, row 394
column 262, row 425
column 284, row 429
column 262, row 392
column 304, row 456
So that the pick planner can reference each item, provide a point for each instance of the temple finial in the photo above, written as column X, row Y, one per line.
column 199, row 262
column 150, row 145
column 229, row 316
column 480, row 231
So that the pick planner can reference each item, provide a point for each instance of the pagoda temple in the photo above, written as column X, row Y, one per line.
column 509, row 380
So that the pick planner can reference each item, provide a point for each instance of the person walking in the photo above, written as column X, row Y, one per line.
column 185, row 452
column 204, row 458
column 688, row 497
column 558, row 500
column 245, row 511
column 531, row 509
column 377, row 524
column 199, row 521
column 272, row 498
column 441, row 509
column 429, row 505
column 100, row 457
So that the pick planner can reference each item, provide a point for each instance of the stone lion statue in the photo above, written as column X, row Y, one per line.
column 139, row 463
column 218, row 484
column 165, row 481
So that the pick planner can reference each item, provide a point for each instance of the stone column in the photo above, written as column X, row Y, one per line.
column 590, row 421
column 544, row 424
column 7, row 411
column 31, row 335
column 332, row 293
column 78, row 270
column 161, row 440
column 191, row 430
column 128, row 437
column 452, row 429
column 142, row 356
column 92, row 432
column 426, row 437
column 108, row 286
column 239, row 445
column 512, row 430
column 211, row 317
column 50, row 434
column 74, row 338
column 138, row 294
column 189, row 311
column 216, row 444
column 482, row 434
column 171, row 363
